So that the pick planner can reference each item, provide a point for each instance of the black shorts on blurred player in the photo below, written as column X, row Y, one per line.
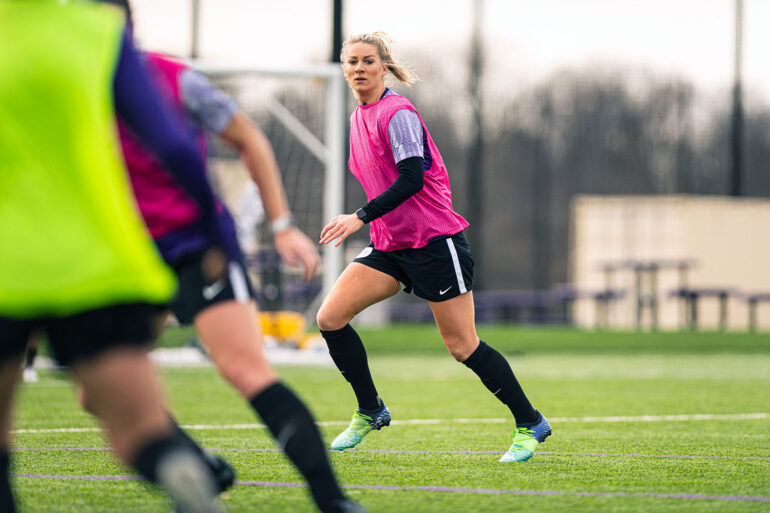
column 195, row 293
column 84, row 335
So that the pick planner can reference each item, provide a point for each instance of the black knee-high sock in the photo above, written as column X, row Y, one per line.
column 182, row 470
column 293, row 427
column 348, row 353
column 223, row 472
column 149, row 456
column 497, row 376
column 182, row 435
column 6, row 496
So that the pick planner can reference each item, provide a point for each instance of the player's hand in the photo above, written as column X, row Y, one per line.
column 214, row 265
column 297, row 250
column 340, row 228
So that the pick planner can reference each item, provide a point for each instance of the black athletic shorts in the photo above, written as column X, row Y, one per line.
column 86, row 334
column 195, row 293
column 438, row 271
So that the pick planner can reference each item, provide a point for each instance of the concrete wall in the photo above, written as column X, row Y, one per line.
column 727, row 240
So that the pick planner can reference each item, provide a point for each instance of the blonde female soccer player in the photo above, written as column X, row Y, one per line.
column 417, row 243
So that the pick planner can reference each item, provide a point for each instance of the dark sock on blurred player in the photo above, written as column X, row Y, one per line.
column 6, row 496
column 293, row 427
column 181, row 470
column 223, row 471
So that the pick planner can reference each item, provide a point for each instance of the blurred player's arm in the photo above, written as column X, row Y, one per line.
column 295, row 247
column 220, row 114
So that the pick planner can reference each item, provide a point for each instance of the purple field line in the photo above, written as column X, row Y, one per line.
column 61, row 449
column 687, row 496
column 674, row 456
column 88, row 478
column 382, row 451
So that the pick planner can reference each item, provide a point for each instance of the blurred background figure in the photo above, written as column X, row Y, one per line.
column 29, row 374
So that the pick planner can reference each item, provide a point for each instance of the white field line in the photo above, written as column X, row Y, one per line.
column 410, row 422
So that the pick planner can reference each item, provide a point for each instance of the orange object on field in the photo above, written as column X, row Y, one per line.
column 285, row 326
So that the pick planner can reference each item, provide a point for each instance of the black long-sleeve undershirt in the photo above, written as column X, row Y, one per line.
column 409, row 182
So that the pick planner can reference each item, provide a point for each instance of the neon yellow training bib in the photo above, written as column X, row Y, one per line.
column 71, row 237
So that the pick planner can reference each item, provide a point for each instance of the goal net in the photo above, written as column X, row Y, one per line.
column 302, row 113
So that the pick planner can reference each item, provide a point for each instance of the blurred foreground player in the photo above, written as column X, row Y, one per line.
column 417, row 243
column 77, row 262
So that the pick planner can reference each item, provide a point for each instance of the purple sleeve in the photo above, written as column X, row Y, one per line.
column 208, row 104
column 405, row 133
column 140, row 106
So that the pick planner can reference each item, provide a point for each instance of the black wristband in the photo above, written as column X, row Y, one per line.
column 361, row 213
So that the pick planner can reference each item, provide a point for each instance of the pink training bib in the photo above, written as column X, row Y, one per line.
column 165, row 206
column 420, row 218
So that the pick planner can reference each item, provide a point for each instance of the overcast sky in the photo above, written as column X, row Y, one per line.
column 526, row 39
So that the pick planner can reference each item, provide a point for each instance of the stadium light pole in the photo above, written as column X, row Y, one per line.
column 736, row 175
column 475, row 165
column 195, row 29
column 336, row 30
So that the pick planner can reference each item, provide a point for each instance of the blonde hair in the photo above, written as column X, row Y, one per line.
column 382, row 41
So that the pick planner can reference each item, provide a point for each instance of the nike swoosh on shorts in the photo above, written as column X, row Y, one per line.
column 211, row 291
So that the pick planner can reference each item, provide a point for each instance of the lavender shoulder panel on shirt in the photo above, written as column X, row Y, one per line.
column 208, row 104
column 406, row 135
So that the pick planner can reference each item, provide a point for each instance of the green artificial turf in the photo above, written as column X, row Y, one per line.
column 604, row 392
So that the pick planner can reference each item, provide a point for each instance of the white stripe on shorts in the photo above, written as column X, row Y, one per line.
column 456, row 263
column 238, row 282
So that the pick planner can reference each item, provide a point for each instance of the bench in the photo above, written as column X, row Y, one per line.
column 691, row 296
column 646, row 274
column 603, row 299
column 753, row 299
column 512, row 305
column 491, row 306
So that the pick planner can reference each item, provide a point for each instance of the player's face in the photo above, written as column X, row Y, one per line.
column 364, row 70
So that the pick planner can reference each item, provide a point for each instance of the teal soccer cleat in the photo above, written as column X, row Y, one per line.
column 359, row 427
column 526, row 440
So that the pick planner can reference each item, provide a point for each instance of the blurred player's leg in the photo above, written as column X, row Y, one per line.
column 232, row 336
column 223, row 471
column 9, row 375
column 124, row 391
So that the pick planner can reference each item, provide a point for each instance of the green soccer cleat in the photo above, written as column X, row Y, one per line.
column 359, row 427
column 526, row 440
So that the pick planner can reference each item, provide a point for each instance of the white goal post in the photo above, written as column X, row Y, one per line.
column 330, row 151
